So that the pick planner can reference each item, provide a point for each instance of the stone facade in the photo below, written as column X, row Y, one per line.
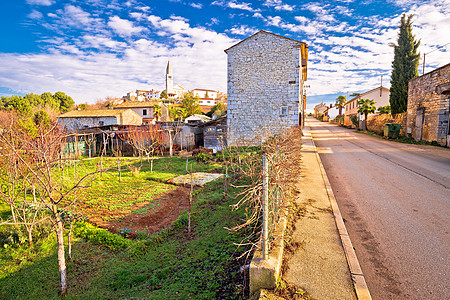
column 428, row 106
column 319, row 109
column 265, row 87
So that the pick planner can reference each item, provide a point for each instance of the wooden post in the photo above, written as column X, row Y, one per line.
column 265, row 209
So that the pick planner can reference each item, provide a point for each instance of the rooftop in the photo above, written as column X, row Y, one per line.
column 93, row 113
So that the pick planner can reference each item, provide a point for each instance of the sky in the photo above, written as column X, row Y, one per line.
column 92, row 49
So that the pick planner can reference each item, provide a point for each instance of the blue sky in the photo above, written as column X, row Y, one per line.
column 96, row 48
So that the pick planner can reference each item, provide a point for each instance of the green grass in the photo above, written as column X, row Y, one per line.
column 166, row 265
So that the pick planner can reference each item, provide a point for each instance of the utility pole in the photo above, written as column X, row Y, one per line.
column 381, row 87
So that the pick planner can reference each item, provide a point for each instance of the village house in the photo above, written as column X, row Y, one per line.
column 320, row 109
column 146, row 109
column 76, row 120
column 428, row 106
column 265, row 86
column 330, row 113
column 379, row 95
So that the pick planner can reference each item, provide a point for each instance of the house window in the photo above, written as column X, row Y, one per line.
column 284, row 111
column 144, row 112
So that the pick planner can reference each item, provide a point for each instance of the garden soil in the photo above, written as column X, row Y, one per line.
column 170, row 205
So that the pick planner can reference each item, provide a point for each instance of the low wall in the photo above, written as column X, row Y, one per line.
column 376, row 123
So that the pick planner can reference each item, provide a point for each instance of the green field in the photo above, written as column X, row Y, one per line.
column 169, row 264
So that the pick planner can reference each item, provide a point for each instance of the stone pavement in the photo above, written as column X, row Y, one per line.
column 319, row 265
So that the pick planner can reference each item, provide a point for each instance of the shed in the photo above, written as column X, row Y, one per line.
column 215, row 134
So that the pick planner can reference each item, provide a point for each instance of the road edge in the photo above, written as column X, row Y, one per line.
column 359, row 282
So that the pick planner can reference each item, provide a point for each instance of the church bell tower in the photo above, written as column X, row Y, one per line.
column 169, row 79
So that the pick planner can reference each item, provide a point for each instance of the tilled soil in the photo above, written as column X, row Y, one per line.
column 147, row 217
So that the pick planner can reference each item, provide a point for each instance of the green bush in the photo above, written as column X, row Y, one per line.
column 203, row 157
column 100, row 236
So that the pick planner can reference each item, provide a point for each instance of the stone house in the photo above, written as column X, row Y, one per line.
column 319, row 109
column 76, row 120
column 379, row 95
column 428, row 106
column 265, row 87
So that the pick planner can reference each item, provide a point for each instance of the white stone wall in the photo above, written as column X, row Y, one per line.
column 264, row 75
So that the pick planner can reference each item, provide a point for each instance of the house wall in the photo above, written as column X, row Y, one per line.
column 379, row 95
column 128, row 117
column 202, row 94
column 264, row 75
column 75, row 123
column 430, row 93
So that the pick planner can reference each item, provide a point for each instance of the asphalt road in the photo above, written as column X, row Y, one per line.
column 395, row 201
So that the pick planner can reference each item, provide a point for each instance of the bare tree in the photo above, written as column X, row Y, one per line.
column 146, row 140
column 35, row 159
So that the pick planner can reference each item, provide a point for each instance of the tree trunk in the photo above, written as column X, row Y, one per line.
column 30, row 236
column 61, row 255
column 69, row 241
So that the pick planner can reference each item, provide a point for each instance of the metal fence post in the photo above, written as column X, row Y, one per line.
column 265, row 209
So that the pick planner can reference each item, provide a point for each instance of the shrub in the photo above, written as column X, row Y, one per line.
column 100, row 236
column 203, row 157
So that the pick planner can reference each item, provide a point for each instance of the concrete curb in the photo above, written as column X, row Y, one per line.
column 359, row 283
column 265, row 273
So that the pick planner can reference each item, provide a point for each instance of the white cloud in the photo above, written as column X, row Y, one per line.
column 40, row 2
column 279, row 5
column 35, row 15
column 123, row 27
column 242, row 30
column 196, row 5
column 235, row 5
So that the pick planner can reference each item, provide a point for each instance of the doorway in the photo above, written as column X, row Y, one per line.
column 420, row 113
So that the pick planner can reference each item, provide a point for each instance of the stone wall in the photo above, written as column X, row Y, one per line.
column 428, row 106
column 265, row 87
column 376, row 123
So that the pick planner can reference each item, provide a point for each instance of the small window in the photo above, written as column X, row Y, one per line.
column 284, row 111
column 144, row 112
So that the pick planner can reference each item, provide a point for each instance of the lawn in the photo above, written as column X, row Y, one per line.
column 167, row 264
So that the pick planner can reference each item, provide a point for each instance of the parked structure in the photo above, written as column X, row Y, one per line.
column 75, row 120
column 265, row 86
column 428, row 106
column 380, row 95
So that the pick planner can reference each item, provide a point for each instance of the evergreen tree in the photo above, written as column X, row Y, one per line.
column 366, row 106
column 404, row 66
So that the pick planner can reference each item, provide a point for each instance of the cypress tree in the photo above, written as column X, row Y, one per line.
column 404, row 66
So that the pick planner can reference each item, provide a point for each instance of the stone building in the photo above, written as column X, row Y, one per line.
column 319, row 109
column 76, row 120
column 428, row 106
column 265, row 87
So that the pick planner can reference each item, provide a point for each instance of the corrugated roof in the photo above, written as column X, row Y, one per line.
column 93, row 113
